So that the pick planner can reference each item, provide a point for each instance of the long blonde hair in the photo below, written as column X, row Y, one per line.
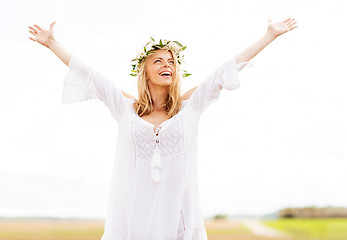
column 172, row 105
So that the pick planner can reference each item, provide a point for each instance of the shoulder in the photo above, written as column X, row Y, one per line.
column 187, row 95
column 128, row 95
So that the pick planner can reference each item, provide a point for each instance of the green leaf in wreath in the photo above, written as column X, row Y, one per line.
column 186, row 74
column 178, row 43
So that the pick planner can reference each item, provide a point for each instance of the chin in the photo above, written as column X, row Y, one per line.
column 162, row 82
column 165, row 82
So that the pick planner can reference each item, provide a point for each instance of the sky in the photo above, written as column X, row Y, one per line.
column 277, row 141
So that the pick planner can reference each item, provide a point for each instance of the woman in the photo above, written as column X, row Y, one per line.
column 154, row 191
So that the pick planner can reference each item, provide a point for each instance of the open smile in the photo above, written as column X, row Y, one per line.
column 166, row 74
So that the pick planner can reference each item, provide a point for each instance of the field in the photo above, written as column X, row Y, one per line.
column 321, row 229
column 49, row 230
column 93, row 230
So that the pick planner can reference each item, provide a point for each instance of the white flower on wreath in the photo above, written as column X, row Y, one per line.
column 149, row 46
column 174, row 47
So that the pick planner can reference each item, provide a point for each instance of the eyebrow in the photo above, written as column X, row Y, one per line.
column 162, row 58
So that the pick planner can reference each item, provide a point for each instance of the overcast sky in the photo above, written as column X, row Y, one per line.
column 277, row 141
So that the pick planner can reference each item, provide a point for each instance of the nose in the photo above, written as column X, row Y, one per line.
column 166, row 64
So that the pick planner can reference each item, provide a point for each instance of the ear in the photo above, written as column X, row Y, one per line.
column 146, row 76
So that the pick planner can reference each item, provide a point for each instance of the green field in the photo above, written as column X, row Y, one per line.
column 312, row 229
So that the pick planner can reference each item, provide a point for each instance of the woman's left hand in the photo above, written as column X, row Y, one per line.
column 279, row 28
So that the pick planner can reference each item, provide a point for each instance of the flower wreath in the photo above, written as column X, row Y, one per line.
column 148, row 49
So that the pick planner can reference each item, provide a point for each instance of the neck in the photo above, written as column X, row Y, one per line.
column 159, row 95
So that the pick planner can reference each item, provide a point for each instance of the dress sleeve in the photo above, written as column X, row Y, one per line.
column 82, row 83
column 208, row 91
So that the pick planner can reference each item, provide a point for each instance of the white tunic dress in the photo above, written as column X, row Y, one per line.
column 154, row 190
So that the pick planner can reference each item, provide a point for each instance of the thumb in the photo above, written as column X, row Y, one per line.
column 52, row 26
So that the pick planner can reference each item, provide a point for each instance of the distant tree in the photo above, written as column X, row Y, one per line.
column 313, row 212
column 288, row 215
column 220, row 216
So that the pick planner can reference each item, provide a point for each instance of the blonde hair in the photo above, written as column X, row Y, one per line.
column 172, row 105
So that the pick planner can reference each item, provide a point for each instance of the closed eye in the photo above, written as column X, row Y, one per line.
column 172, row 62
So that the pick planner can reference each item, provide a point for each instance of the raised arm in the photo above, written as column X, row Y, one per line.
column 274, row 30
column 46, row 38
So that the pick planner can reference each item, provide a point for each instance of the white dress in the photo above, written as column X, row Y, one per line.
column 154, row 190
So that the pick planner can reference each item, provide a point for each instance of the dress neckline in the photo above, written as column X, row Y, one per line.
column 164, row 122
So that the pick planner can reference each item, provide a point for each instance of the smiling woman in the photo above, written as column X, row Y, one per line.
column 159, row 84
column 154, row 191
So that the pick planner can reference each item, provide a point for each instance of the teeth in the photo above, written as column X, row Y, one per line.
column 165, row 73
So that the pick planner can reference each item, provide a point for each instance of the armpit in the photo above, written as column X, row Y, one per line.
column 128, row 95
column 187, row 95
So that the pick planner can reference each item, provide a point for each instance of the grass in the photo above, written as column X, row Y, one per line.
column 93, row 230
column 312, row 229
column 222, row 227
column 299, row 229
column 51, row 230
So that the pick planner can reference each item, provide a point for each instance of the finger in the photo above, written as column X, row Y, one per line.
column 33, row 33
column 32, row 39
column 292, row 24
column 38, row 27
column 293, row 27
column 291, row 20
column 286, row 20
column 35, row 30
column 52, row 25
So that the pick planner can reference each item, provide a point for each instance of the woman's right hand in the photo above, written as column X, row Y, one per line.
column 43, row 36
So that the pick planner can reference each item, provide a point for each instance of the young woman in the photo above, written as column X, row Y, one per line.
column 154, row 190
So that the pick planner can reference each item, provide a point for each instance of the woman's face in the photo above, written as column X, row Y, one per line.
column 160, row 68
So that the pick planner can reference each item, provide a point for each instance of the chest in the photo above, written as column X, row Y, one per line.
column 156, row 118
column 165, row 133
column 156, row 129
